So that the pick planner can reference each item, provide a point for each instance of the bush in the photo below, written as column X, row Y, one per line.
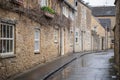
column 111, row 60
column 48, row 9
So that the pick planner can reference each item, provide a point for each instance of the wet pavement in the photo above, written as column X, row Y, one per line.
column 94, row 66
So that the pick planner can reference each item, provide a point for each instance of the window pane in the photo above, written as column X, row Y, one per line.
column 0, row 31
column 4, row 31
column 11, row 31
column 4, row 49
column 76, row 39
column 37, row 34
column 43, row 3
column 7, row 45
column 36, row 45
column 76, row 33
column 0, row 46
column 11, row 46
column 7, row 31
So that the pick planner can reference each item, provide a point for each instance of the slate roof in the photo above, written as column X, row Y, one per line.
column 103, row 11
column 105, row 22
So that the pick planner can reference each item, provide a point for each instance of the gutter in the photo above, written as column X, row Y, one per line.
column 67, row 3
column 88, row 6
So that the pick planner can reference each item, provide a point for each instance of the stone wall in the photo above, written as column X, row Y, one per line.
column 83, row 27
column 98, row 44
column 111, row 33
column 24, row 55
column 117, row 35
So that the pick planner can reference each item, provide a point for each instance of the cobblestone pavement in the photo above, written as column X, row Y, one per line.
column 94, row 66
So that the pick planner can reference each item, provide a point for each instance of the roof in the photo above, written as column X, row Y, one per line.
column 105, row 22
column 103, row 11
column 82, row 2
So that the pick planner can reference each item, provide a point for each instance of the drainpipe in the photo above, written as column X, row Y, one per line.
column 82, row 40
column 74, row 34
column 61, row 28
column 91, row 41
column 74, row 38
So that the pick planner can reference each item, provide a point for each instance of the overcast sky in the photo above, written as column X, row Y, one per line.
column 100, row 2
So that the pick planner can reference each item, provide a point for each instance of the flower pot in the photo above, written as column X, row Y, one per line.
column 49, row 15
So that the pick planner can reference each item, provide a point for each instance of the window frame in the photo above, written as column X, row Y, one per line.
column 76, row 36
column 37, row 40
column 43, row 3
column 65, row 11
column 56, row 35
column 6, row 38
column 72, row 15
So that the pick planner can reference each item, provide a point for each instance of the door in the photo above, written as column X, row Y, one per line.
column 62, row 42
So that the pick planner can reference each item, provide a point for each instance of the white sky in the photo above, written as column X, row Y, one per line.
column 100, row 2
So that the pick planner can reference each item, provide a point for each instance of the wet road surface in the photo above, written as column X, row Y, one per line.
column 94, row 66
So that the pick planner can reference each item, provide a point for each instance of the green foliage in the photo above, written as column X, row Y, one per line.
column 111, row 60
column 48, row 9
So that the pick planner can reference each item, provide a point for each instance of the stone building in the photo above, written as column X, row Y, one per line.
column 117, row 36
column 85, row 22
column 106, row 16
column 82, row 28
column 97, row 35
column 30, row 36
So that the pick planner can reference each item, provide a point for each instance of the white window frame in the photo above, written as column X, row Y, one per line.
column 77, row 36
column 6, row 38
column 56, row 32
column 84, row 13
column 72, row 15
column 43, row 3
column 71, row 36
column 66, row 11
column 37, row 40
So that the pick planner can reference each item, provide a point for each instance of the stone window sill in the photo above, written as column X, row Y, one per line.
column 55, row 41
column 7, row 55
column 36, row 52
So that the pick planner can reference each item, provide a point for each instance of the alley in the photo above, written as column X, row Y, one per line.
column 59, row 39
column 94, row 66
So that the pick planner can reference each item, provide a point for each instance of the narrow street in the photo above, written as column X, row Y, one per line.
column 94, row 66
column 59, row 40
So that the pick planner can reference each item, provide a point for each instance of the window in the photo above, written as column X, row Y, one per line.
column 37, row 41
column 72, row 15
column 71, row 36
column 83, row 12
column 6, row 39
column 55, row 35
column 75, row 2
column 44, row 3
column 76, row 37
column 65, row 11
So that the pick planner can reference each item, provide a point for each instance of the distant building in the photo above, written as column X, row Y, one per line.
column 106, row 16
